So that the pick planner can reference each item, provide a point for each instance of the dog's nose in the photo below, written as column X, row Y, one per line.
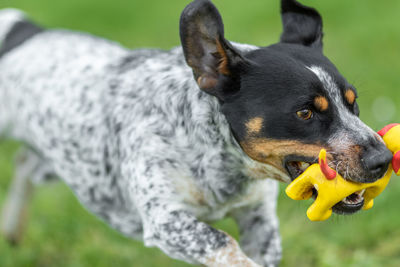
column 376, row 161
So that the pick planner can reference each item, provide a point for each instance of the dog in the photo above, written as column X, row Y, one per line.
column 159, row 143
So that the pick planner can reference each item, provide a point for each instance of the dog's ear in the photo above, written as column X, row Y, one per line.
column 301, row 24
column 206, row 51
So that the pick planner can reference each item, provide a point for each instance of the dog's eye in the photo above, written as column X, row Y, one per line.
column 304, row 114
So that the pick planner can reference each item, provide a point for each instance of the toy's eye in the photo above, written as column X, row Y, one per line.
column 304, row 114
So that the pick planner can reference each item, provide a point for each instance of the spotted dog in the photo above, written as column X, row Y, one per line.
column 159, row 143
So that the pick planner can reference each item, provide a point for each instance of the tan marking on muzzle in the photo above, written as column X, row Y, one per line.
column 254, row 125
column 273, row 152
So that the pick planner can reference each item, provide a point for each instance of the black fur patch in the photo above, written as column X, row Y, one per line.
column 19, row 33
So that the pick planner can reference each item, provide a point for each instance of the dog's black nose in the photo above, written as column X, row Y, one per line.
column 376, row 161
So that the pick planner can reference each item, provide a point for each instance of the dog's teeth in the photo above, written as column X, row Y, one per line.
column 347, row 201
column 316, row 187
column 304, row 165
column 362, row 192
column 354, row 198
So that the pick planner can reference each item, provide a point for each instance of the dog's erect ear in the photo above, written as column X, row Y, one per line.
column 301, row 24
column 206, row 51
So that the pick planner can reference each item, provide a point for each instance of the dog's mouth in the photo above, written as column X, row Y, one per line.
column 349, row 205
column 296, row 165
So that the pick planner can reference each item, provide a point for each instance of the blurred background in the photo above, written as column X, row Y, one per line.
column 362, row 39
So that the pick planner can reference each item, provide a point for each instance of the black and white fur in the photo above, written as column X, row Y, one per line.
column 146, row 150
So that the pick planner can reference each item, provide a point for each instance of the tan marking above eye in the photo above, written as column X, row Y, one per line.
column 321, row 103
column 350, row 96
column 254, row 125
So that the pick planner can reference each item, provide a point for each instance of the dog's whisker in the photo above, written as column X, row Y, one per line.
column 338, row 164
column 332, row 152
column 347, row 174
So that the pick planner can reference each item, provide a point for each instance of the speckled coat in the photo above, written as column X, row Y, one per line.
column 138, row 143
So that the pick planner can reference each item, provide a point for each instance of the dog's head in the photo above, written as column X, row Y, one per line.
column 284, row 102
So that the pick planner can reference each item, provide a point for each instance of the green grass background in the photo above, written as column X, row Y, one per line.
column 362, row 39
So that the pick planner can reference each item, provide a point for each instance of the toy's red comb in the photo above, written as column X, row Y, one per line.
column 392, row 142
column 385, row 129
column 325, row 169
column 396, row 162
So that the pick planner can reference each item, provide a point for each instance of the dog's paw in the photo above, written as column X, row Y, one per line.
column 230, row 256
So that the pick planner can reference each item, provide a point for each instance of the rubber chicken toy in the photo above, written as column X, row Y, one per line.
column 332, row 187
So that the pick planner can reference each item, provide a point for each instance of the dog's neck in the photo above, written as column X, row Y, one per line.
column 190, row 118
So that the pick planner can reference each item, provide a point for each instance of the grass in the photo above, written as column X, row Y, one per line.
column 362, row 39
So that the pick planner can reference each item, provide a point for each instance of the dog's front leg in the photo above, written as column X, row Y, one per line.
column 181, row 236
column 259, row 230
column 169, row 225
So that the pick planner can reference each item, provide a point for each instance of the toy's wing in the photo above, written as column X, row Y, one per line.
column 301, row 187
column 376, row 189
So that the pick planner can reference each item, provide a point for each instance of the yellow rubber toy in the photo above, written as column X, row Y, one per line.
column 332, row 187
column 332, row 191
